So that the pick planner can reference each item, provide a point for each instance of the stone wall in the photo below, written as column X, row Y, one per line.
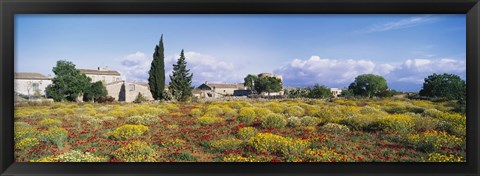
column 25, row 86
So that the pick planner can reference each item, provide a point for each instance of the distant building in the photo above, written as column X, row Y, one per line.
column 128, row 91
column 31, row 84
column 336, row 92
column 220, row 89
column 102, row 74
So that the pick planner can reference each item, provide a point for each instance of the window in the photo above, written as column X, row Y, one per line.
column 35, row 87
column 131, row 87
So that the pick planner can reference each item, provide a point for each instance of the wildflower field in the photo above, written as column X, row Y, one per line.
column 292, row 130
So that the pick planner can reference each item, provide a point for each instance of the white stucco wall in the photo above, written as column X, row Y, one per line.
column 105, row 78
column 132, row 92
column 25, row 86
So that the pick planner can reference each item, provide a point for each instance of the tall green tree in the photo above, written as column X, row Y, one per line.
column 368, row 85
column 319, row 92
column 448, row 86
column 68, row 83
column 249, row 81
column 181, row 80
column 96, row 90
column 156, row 79
column 268, row 84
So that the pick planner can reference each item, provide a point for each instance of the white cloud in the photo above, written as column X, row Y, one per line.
column 204, row 68
column 401, row 24
column 340, row 73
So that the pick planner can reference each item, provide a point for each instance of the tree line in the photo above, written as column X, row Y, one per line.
column 436, row 86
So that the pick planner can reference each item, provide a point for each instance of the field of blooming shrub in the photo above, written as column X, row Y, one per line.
column 365, row 130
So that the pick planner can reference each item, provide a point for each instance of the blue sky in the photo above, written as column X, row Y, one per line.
column 305, row 49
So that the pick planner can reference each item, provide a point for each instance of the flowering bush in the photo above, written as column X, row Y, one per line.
column 397, row 123
column 128, row 131
column 136, row 151
column 238, row 158
column 293, row 121
column 309, row 121
column 56, row 135
column 50, row 122
column 77, row 156
column 196, row 113
column 262, row 112
column 226, row 144
column 143, row 120
column 437, row 157
column 173, row 142
column 213, row 111
column 268, row 142
column 26, row 143
column 433, row 140
column 294, row 111
column 246, row 115
column 335, row 128
column 274, row 121
column 207, row 120
column 247, row 132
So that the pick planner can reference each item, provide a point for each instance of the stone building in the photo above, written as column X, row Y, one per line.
column 217, row 89
column 102, row 74
column 335, row 92
column 128, row 91
column 31, row 84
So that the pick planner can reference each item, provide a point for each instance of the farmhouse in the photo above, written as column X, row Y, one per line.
column 102, row 74
column 31, row 84
column 217, row 89
column 128, row 91
column 335, row 92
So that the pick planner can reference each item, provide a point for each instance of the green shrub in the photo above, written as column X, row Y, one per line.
column 226, row 144
column 145, row 119
column 294, row 111
column 56, row 135
column 262, row 112
column 196, row 113
column 26, row 143
column 335, row 128
column 246, row 115
column 207, row 120
column 213, row 111
column 246, row 132
column 128, row 131
column 136, row 151
column 433, row 140
column 293, row 122
column 271, row 143
column 309, row 121
column 274, row 121
column 397, row 123
column 47, row 122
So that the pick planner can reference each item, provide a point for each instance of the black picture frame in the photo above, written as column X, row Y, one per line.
column 8, row 9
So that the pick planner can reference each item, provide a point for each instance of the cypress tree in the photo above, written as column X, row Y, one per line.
column 156, row 79
column 181, row 80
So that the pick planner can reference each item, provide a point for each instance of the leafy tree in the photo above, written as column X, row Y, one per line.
column 156, row 79
column 268, row 84
column 368, row 85
column 181, row 80
column 68, row 83
column 319, row 92
column 96, row 90
column 347, row 93
column 447, row 86
column 249, row 81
